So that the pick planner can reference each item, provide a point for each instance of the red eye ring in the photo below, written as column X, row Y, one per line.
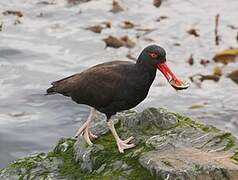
column 153, row 55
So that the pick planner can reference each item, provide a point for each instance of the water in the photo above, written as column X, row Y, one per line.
column 45, row 48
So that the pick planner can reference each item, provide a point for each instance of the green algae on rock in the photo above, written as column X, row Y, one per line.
column 169, row 146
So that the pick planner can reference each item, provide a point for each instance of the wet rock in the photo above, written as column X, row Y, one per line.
column 187, row 163
column 102, row 167
column 117, row 165
column 84, row 154
column 169, row 146
column 36, row 166
column 151, row 117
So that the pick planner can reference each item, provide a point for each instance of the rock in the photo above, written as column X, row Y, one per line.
column 84, row 154
column 152, row 117
column 36, row 166
column 169, row 146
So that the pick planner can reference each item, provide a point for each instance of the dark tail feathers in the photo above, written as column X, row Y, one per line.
column 50, row 91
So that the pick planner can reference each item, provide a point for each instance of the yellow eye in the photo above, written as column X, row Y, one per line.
column 153, row 55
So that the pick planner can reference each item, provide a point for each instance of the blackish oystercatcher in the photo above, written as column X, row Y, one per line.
column 116, row 86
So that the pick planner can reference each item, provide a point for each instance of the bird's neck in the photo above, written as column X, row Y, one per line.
column 144, row 66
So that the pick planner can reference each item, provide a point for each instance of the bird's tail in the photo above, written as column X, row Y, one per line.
column 50, row 91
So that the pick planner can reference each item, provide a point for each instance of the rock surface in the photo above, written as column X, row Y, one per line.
column 169, row 146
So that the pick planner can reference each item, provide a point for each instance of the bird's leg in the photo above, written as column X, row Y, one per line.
column 121, row 144
column 85, row 131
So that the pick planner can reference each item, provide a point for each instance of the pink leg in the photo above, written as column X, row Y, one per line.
column 121, row 144
column 85, row 131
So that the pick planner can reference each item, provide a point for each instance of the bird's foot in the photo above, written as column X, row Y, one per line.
column 88, row 135
column 82, row 132
column 123, row 144
column 92, row 136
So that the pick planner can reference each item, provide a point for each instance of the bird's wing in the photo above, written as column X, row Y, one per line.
column 96, row 86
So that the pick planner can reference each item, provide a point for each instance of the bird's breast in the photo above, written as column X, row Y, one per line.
column 137, row 88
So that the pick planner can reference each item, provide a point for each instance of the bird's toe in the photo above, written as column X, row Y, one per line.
column 128, row 140
column 92, row 136
column 87, row 138
column 122, row 145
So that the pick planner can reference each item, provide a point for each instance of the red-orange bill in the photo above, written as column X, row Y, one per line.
column 172, row 79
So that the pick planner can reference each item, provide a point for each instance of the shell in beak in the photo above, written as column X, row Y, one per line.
column 172, row 79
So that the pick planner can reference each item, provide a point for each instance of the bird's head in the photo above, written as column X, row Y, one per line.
column 155, row 56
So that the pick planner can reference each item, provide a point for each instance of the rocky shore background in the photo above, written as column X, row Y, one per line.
column 168, row 146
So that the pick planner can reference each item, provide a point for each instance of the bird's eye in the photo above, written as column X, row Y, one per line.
column 153, row 55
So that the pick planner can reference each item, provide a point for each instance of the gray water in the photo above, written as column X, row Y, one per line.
column 45, row 48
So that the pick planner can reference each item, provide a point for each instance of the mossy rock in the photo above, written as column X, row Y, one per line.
column 168, row 146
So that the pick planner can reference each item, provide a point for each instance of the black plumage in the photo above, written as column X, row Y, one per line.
column 115, row 86
column 109, row 87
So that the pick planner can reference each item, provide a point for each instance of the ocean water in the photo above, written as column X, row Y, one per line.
column 50, row 42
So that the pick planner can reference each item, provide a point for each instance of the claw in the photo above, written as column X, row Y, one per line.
column 92, row 136
column 87, row 137
column 81, row 130
column 85, row 131
column 122, row 145
column 87, row 134
column 128, row 140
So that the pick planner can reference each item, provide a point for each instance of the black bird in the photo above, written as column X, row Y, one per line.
column 115, row 86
